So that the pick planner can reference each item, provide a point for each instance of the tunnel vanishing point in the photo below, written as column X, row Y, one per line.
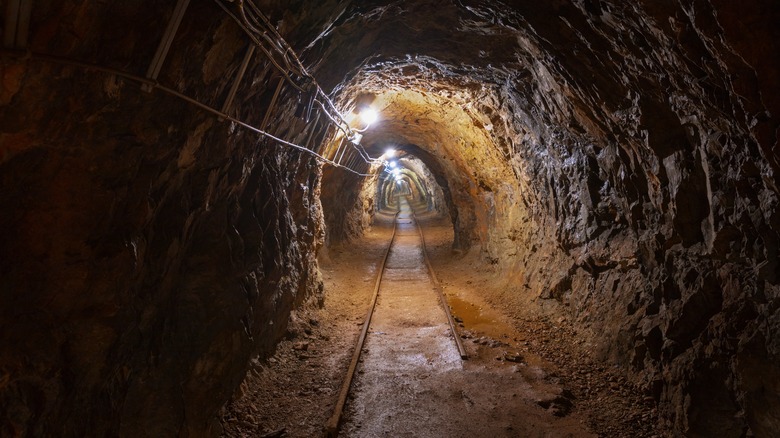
column 615, row 162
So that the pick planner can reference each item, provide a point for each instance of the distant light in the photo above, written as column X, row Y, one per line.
column 393, row 164
column 390, row 153
column 368, row 115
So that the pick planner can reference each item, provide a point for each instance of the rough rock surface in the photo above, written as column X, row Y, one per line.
column 617, row 161
column 148, row 249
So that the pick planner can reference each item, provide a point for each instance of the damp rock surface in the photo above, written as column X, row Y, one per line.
column 526, row 377
column 617, row 163
column 613, row 163
column 148, row 249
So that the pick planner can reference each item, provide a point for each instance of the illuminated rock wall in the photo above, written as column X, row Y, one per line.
column 617, row 161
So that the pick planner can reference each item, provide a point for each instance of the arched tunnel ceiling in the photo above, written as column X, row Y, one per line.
column 546, row 69
column 616, row 161
column 506, row 97
column 602, row 144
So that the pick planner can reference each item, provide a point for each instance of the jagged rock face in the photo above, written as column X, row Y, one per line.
column 618, row 158
column 415, row 181
column 149, row 250
column 347, row 209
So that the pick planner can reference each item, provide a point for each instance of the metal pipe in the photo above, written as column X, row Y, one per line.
column 239, row 76
column 165, row 43
column 273, row 103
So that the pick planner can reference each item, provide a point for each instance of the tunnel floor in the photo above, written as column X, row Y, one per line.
column 409, row 355
column 527, row 375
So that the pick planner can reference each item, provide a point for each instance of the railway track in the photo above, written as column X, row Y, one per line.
column 410, row 327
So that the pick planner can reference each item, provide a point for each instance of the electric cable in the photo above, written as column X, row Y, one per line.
column 259, row 45
column 288, row 50
column 282, row 47
column 172, row 92
column 251, row 23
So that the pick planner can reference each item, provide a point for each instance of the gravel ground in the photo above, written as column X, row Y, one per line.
column 527, row 375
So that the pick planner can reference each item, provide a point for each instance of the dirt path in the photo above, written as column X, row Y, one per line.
column 412, row 382
column 524, row 377
column 408, row 350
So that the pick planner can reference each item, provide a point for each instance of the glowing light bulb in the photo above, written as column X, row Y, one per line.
column 368, row 116
column 393, row 164
column 390, row 153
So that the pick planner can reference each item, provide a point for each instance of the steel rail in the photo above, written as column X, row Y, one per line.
column 332, row 426
column 438, row 288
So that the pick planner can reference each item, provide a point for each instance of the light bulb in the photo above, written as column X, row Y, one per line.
column 368, row 116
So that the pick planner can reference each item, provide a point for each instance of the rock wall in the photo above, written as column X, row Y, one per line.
column 641, row 196
column 348, row 204
column 665, row 206
column 617, row 160
column 149, row 250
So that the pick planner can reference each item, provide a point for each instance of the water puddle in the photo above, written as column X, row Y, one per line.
column 486, row 326
column 479, row 319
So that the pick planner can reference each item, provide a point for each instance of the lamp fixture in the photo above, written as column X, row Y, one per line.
column 368, row 116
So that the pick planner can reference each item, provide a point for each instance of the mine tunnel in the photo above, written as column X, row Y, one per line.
column 194, row 212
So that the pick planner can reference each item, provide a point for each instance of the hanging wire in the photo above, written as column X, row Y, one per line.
column 252, row 20
column 268, row 54
column 172, row 92
column 251, row 23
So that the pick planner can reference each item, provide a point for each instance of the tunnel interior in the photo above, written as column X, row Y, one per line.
column 408, row 176
column 171, row 173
